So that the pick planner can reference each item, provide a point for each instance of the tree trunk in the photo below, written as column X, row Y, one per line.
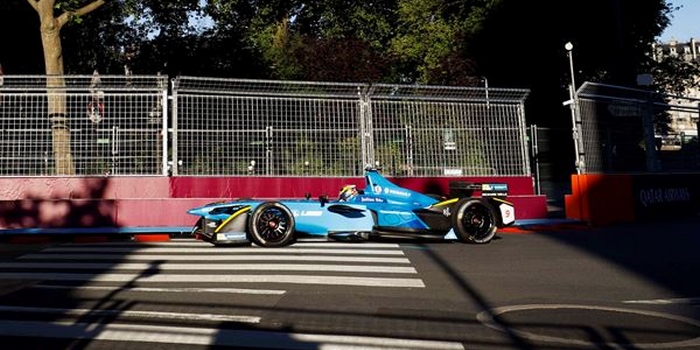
column 55, row 89
column 56, row 94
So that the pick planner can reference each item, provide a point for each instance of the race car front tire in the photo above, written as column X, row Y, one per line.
column 271, row 224
column 474, row 221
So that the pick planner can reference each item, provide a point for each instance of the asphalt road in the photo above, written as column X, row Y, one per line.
column 632, row 286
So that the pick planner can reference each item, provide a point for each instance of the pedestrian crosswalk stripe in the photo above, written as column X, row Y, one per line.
column 215, row 257
column 237, row 250
column 204, row 267
column 163, row 290
column 214, row 337
column 133, row 313
column 257, row 278
column 303, row 243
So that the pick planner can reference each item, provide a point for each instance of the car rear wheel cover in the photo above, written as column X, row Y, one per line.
column 474, row 221
column 271, row 224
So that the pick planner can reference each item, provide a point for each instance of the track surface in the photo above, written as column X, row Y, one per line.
column 621, row 287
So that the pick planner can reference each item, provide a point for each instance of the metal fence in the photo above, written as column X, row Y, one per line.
column 618, row 129
column 236, row 127
column 114, row 124
column 138, row 125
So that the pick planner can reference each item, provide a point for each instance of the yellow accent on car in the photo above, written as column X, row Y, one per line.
column 233, row 216
column 443, row 203
column 502, row 201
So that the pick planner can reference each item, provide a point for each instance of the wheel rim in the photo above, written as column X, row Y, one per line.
column 477, row 221
column 272, row 225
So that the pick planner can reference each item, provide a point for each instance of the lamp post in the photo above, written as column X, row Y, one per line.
column 569, row 47
column 575, row 120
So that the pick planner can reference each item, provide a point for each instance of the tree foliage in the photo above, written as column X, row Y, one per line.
column 512, row 43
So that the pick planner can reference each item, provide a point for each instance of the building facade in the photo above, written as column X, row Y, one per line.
column 684, row 122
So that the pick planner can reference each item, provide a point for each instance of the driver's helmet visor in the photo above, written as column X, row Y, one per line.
column 347, row 192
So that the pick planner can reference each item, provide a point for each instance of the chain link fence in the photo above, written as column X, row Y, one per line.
column 138, row 125
column 618, row 129
column 238, row 127
column 100, row 125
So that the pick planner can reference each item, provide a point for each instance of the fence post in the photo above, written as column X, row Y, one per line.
column 576, row 131
column 366, row 140
column 174, row 162
column 534, row 151
column 164, row 129
column 648, row 122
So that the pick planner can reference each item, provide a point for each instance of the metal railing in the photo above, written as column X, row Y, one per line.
column 138, row 125
column 115, row 124
column 237, row 127
column 632, row 130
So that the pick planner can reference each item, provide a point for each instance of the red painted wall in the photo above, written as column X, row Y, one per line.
column 151, row 201
column 297, row 187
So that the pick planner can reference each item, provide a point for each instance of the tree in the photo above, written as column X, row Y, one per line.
column 53, row 16
column 675, row 75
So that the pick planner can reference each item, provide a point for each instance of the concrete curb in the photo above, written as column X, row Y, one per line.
column 538, row 225
column 91, row 235
column 160, row 234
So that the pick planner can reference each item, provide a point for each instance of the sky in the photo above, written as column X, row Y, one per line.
column 685, row 22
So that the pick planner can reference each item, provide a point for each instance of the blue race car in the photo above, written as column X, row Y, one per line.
column 381, row 209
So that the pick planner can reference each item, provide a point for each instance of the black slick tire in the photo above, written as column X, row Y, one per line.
column 474, row 221
column 271, row 224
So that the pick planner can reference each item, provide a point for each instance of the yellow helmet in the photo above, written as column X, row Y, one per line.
column 347, row 192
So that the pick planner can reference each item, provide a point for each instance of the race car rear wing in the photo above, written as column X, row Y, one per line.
column 470, row 189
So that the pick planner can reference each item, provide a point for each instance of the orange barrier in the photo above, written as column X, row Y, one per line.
column 601, row 199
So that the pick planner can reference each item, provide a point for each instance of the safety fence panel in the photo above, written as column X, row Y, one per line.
column 449, row 131
column 266, row 128
column 625, row 130
column 135, row 125
column 94, row 125
column 276, row 128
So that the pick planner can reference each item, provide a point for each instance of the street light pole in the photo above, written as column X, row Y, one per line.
column 575, row 121
column 569, row 47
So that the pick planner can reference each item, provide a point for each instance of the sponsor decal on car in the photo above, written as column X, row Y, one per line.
column 231, row 236
column 396, row 192
column 372, row 200
column 307, row 212
column 495, row 187
column 507, row 213
column 446, row 212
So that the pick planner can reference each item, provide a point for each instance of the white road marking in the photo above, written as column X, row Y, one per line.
column 665, row 301
column 204, row 257
column 134, row 313
column 166, row 290
column 486, row 317
column 232, row 251
column 303, row 242
column 214, row 337
column 163, row 278
column 205, row 267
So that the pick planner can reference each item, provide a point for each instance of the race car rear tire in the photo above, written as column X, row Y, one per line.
column 474, row 221
column 271, row 224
